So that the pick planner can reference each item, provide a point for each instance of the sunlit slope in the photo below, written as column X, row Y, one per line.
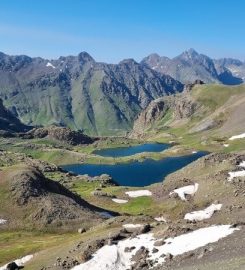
column 204, row 112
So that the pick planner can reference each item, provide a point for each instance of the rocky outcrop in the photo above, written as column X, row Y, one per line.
column 180, row 107
column 103, row 179
column 189, row 86
column 147, row 117
column 61, row 134
column 183, row 107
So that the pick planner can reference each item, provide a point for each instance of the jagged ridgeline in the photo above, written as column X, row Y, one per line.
column 80, row 93
column 190, row 66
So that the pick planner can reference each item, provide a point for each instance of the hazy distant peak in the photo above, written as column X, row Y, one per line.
column 229, row 61
column 191, row 65
column 192, row 51
column 189, row 54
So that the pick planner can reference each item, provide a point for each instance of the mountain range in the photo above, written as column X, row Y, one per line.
column 80, row 93
column 101, row 99
column 190, row 66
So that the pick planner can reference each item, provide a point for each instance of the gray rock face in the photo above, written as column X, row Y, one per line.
column 181, row 106
column 80, row 93
column 147, row 117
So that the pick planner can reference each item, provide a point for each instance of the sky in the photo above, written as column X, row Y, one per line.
column 112, row 30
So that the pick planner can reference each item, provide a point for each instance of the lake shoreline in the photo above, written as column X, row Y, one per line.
column 136, row 173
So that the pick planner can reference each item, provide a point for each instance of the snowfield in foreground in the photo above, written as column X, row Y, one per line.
column 237, row 173
column 240, row 136
column 119, row 201
column 242, row 164
column 160, row 219
column 203, row 214
column 114, row 257
column 132, row 226
column 187, row 190
column 3, row 221
column 19, row 262
column 138, row 193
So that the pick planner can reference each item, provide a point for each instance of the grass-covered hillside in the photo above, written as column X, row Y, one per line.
column 204, row 117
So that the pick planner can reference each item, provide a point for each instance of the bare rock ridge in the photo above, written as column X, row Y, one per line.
column 179, row 106
column 210, row 108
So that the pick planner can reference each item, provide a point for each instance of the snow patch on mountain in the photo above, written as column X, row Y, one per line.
column 114, row 256
column 203, row 214
column 186, row 190
column 50, row 65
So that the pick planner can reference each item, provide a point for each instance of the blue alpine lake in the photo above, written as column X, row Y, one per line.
column 132, row 150
column 136, row 174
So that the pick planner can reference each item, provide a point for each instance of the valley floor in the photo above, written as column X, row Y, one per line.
column 62, row 247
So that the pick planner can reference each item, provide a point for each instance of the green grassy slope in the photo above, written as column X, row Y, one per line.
column 219, row 114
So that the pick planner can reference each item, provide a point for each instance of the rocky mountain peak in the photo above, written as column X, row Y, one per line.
column 192, row 51
column 85, row 57
column 153, row 57
column 191, row 55
column 129, row 61
column 191, row 65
